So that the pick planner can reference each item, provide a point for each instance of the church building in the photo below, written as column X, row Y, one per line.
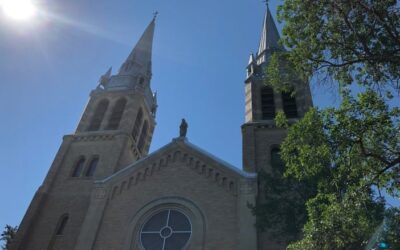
column 104, row 191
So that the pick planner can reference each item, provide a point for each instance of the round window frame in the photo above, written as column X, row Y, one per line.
column 156, row 212
column 187, row 206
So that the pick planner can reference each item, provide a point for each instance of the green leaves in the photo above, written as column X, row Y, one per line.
column 281, row 73
column 281, row 120
column 345, row 152
column 348, row 40
column 8, row 235
column 339, row 223
column 342, row 156
column 305, row 151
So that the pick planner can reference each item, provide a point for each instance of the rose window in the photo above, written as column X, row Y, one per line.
column 166, row 230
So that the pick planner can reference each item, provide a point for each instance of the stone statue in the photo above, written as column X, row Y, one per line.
column 183, row 128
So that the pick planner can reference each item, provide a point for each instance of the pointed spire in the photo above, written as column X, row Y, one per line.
column 270, row 35
column 138, row 62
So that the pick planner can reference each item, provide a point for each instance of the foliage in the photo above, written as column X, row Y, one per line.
column 391, row 233
column 282, row 210
column 8, row 235
column 280, row 120
column 347, row 40
column 348, row 152
column 280, row 73
column 359, row 142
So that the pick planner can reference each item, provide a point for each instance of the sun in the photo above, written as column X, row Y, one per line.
column 18, row 9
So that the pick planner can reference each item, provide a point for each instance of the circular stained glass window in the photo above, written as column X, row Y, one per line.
column 166, row 230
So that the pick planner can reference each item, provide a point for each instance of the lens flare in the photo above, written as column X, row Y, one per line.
column 18, row 9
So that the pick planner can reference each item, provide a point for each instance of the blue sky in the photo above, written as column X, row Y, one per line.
column 49, row 65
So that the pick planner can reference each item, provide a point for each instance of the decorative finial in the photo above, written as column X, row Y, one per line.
column 266, row 3
column 155, row 14
column 104, row 79
column 183, row 128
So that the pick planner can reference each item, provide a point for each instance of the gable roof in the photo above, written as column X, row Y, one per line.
column 183, row 143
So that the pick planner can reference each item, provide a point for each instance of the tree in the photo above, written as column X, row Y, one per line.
column 344, row 157
column 351, row 41
column 351, row 153
column 391, row 232
column 387, row 234
column 282, row 210
column 8, row 235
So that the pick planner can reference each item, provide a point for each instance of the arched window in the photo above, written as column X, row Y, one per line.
column 98, row 115
column 143, row 136
column 78, row 167
column 138, row 124
column 267, row 103
column 141, row 80
column 276, row 160
column 116, row 114
column 62, row 223
column 92, row 167
column 289, row 105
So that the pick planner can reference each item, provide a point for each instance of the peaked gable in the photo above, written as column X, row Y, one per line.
column 179, row 150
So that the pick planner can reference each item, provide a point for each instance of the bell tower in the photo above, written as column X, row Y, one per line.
column 114, row 131
column 259, row 132
column 261, row 138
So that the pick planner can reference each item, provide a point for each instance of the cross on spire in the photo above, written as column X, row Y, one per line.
column 266, row 2
column 155, row 14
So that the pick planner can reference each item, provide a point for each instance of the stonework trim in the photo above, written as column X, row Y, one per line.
column 182, row 143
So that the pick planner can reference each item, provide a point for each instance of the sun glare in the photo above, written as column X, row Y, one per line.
column 18, row 9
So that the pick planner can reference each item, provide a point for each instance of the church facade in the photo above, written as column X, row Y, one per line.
column 104, row 191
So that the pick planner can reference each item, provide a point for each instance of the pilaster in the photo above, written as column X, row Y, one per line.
column 247, row 233
column 92, row 221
